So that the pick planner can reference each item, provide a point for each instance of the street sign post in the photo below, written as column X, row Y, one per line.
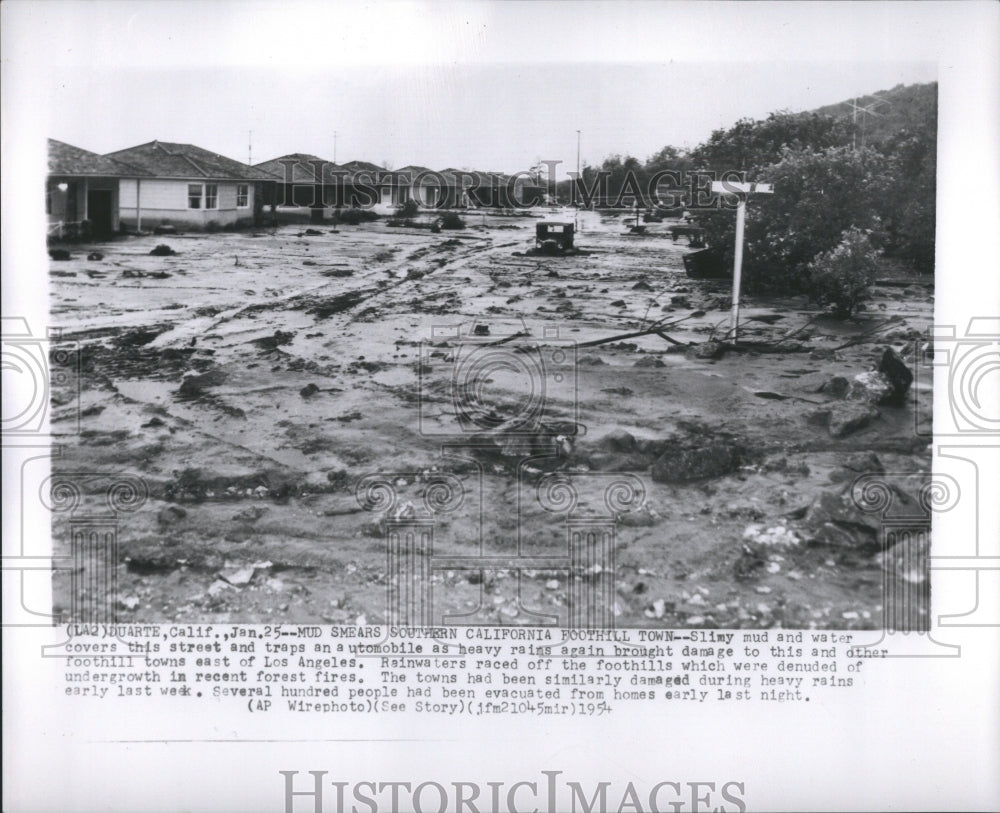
column 744, row 190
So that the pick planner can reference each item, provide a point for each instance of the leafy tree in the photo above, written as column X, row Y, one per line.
column 819, row 195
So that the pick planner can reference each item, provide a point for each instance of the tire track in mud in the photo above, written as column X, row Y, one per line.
column 300, row 299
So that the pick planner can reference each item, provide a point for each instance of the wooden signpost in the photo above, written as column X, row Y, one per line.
column 744, row 190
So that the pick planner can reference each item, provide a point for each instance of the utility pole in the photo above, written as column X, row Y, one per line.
column 250, row 148
column 335, row 146
column 743, row 190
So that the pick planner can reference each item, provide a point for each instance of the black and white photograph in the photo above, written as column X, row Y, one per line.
column 653, row 335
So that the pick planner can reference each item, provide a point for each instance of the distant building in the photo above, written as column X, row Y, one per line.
column 189, row 186
column 83, row 191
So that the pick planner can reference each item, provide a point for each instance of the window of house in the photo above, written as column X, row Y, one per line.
column 242, row 195
column 194, row 196
column 211, row 196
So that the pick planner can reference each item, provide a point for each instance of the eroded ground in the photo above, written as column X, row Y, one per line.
column 253, row 379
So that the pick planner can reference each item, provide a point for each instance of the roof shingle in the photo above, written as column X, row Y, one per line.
column 65, row 159
column 163, row 159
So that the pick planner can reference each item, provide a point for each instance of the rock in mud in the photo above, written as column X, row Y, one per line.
column 649, row 361
column 60, row 254
column 898, row 374
column 280, row 338
column 849, row 417
column 194, row 386
column 162, row 250
column 170, row 514
column 872, row 387
column 836, row 386
column 706, row 351
column 833, row 519
column 642, row 285
column 618, row 440
column 681, row 465
column 95, row 256
column 308, row 390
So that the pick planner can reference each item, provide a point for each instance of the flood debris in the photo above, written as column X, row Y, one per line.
column 162, row 250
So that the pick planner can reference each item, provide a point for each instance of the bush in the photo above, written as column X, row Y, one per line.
column 352, row 217
column 840, row 277
column 408, row 210
column 451, row 220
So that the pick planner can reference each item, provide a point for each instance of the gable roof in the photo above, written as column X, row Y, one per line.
column 65, row 159
column 304, row 169
column 164, row 159
column 367, row 166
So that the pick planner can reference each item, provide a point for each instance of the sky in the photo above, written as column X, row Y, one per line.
column 490, row 117
column 491, row 86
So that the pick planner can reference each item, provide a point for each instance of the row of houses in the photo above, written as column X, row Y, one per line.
column 163, row 183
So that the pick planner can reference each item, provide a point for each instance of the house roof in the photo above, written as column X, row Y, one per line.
column 304, row 168
column 65, row 159
column 356, row 166
column 163, row 159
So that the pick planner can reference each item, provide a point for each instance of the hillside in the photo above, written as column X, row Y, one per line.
column 909, row 108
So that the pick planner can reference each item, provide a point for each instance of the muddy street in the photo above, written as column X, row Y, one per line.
column 292, row 397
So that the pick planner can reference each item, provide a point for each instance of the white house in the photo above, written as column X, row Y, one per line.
column 188, row 186
column 82, row 191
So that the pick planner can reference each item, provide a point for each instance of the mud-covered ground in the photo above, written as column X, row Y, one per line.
column 254, row 379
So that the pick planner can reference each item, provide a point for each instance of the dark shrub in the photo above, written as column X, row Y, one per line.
column 840, row 278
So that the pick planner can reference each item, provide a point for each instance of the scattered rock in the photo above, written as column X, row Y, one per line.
column 680, row 301
column 162, row 250
column 775, row 536
column 836, row 386
column 591, row 361
column 95, row 256
column 618, row 440
column 833, row 519
column 849, row 417
column 280, row 338
column 218, row 587
column 618, row 303
column 481, row 330
column 239, row 577
column 193, row 386
column 170, row 514
column 898, row 374
column 908, row 560
column 313, row 233
column 706, row 351
column 649, row 361
column 308, row 390
column 681, row 465
column 642, row 285
column 338, row 479
column 60, row 254
column 871, row 387
column 823, row 353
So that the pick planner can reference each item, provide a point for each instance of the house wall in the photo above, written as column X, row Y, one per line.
column 166, row 201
